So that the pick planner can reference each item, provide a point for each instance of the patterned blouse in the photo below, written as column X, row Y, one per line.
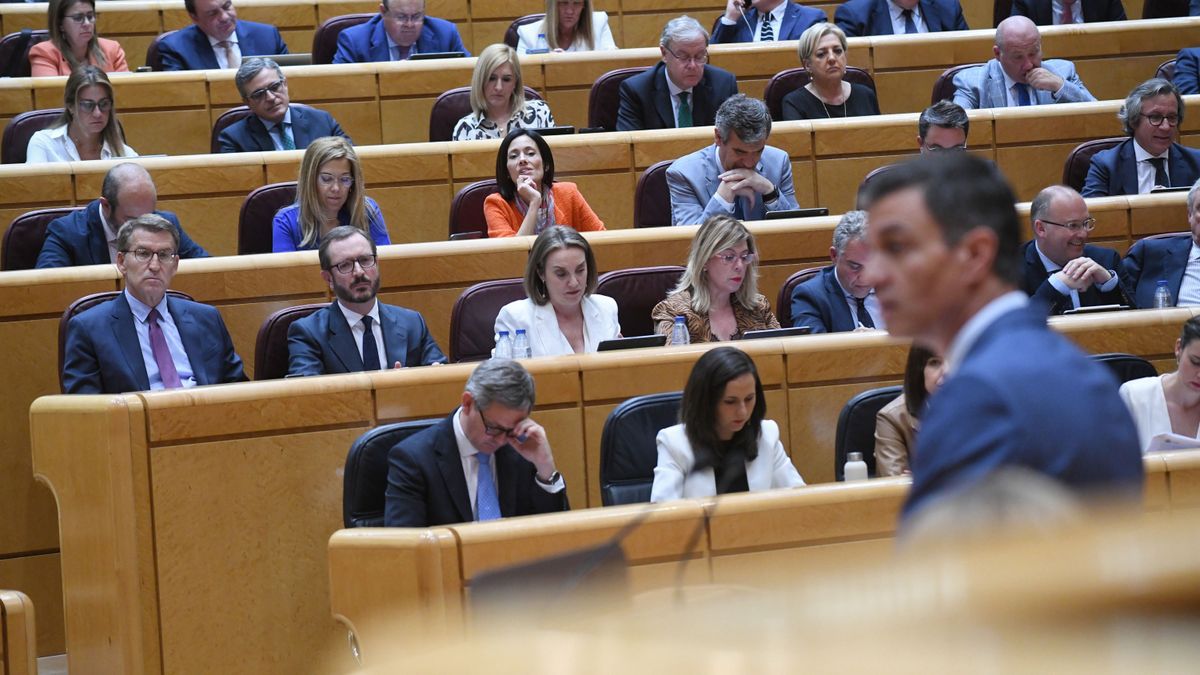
column 680, row 304
column 474, row 127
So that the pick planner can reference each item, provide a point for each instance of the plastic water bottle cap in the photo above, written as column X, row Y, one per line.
column 1162, row 282
column 503, row 333
column 679, row 319
column 854, row 457
column 520, row 331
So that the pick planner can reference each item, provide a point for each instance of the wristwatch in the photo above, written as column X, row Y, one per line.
column 554, row 478
column 772, row 195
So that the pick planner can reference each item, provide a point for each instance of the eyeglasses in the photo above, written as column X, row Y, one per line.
column 144, row 256
column 494, row 430
column 87, row 105
column 1087, row 225
column 729, row 258
column 347, row 266
column 273, row 88
column 409, row 18
column 698, row 60
column 945, row 148
column 82, row 17
column 1157, row 120
column 328, row 179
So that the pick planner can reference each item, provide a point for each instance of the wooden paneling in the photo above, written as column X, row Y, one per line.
column 39, row 577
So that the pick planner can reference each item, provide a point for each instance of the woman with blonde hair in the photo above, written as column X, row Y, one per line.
column 329, row 193
column 718, row 292
column 498, row 102
column 88, row 127
column 569, row 26
column 822, row 51
column 74, row 41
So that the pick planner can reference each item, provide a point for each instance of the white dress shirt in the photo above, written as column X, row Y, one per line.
column 1189, row 288
column 870, row 302
column 141, row 315
column 219, row 51
column 897, row 13
column 357, row 328
column 470, row 465
column 55, row 145
column 1146, row 170
column 110, row 235
column 275, row 131
column 675, row 99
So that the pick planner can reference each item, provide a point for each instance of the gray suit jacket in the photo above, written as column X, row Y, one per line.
column 983, row 86
column 693, row 182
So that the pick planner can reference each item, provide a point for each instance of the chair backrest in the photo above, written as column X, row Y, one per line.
column 510, row 35
column 364, row 480
column 1001, row 10
column 862, row 187
column 652, row 197
column 466, row 211
column 473, row 319
column 324, row 44
column 271, row 345
column 1075, row 169
column 14, row 51
column 1126, row 366
column 637, row 291
column 943, row 87
column 856, row 427
column 605, row 97
column 25, row 235
column 1166, row 70
column 20, row 129
column 153, row 58
column 256, row 219
column 628, row 451
column 787, row 81
column 453, row 105
column 1160, row 235
column 783, row 303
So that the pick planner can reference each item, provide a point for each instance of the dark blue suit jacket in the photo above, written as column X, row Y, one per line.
column 249, row 134
column 820, row 304
column 1114, row 171
column 78, row 239
column 1041, row 12
column 368, row 41
column 1187, row 71
column 322, row 342
column 1152, row 259
column 188, row 48
column 871, row 17
column 1036, row 282
column 1025, row 396
column 426, row 486
column 796, row 19
column 102, row 354
column 646, row 100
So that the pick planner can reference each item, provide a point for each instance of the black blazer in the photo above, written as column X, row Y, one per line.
column 646, row 99
column 1041, row 12
column 1035, row 281
column 250, row 135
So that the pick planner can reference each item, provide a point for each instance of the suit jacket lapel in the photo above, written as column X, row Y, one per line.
column 710, row 170
column 450, row 465
column 378, row 47
column 662, row 98
column 190, row 335
column 126, row 336
column 839, row 311
column 785, row 25
column 301, row 135
column 1127, row 168
column 880, row 20
column 97, row 241
column 341, row 340
column 508, row 472
column 931, row 17
column 395, row 340
column 1044, row 9
column 1175, row 259
column 993, row 86
column 258, row 131
column 1177, row 166
column 205, row 50
column 702, row 99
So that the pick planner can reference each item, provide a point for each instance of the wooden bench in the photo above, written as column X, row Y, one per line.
column 18, row 637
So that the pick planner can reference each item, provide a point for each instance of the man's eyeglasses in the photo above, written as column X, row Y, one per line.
column 328, row 179
column 82, row 17
column 144, row 255
column 273, row 88
column 409, row 18
column 1086, row 225
column 729, row 258
column 699, row 60
column 494, row 430
column 89, row 106
column 945, row 148
column 347, row 266
column 1157, row 120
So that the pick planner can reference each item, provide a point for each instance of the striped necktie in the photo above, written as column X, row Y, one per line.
column 766, row 33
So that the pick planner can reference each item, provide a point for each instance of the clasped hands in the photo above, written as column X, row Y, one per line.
column 743, row 183
column 1082, row 272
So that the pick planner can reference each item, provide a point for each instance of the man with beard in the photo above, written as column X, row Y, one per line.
column 356, row 333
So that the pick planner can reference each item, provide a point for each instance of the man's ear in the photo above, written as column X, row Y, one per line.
column 976, row 252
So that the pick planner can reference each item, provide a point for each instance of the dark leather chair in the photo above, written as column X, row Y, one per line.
column 628, row 451
column 1075, row 169
column 605, row 97
column 466, row 211
column 856, row 427
column 943, row 87
column 473, row 319
column 364, row 481
column 1001, row 10
column 637, row 291
column 14, row 51
column 24, row 237
column 20, row 129
column 1126, row 366
column 783, row 303
column 510, row 35
column 324, row 44
column 271, row 345
column 453, row 105
column 1163, row 9
column 153, row 59
column 787, row 81
column 652, row 197
column 862, row 187
column 255, row 222
column 1166, row 70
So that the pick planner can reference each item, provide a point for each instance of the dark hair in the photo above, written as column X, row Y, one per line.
column 550, row 240
column 962, row 192
column 337, row 234
column 1131, row 111
column 117, row 178
column 150, row 222
column 1190, row 332
column 704, row 390
column 190, row 6
column 508, row 189
column 915, row 393
column 946, row 114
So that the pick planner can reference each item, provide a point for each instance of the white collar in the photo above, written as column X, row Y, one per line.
column 232, row 39
column 1008, row 81
column 674, row 89
column 897, row 10
column 1046, row 262
column 141, row 311
column 971, row 331
column 287, row 119
column 1141, row 155
column 353, row 317
column 777, row 13
column 465, row 449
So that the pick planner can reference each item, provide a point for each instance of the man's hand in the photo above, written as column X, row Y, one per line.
column 529, row 439
column 1041, row 78
column 733, row 10
column 743, row 183
column 1082, row 272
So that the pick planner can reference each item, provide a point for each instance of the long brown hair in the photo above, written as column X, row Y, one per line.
column 86, row 76
column 55, row 16
column 583, row 29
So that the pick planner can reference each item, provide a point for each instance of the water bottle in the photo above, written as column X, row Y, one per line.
column 1162, row 295
column 855, row 468
column 679, row 332
column 521, row 349
column 504, row 347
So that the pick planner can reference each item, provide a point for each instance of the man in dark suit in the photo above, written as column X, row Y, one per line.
column 332, row 340
column 1152, row 156
column 216, row 39
column 273, row 123
column 400, row 30
column 681, row 90
column 89, row 236
column 765, row 21
column 1187, row 71
column 486, row 460
column 1063, row 271
column 1175, row 260
column 837, row 300
column 144, row 339
column 945, row 263
column 859, row 18
column 1042, row 12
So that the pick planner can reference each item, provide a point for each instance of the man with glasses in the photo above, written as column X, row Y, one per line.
column 274, row 124
column 400, row 30
column 145, row 339
column 680, row 91
column 1062, row 270
column 487, row 460
column 943, row 126
column 1175, row 260
column 1151, row 157
column 217, row 39
column 839, row 299
column 88, row 236
column 355, row 333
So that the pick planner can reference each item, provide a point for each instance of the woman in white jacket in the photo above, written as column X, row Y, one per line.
column 569, row 26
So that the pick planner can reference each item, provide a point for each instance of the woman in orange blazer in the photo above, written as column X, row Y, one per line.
column 530, row 200
column 73, row 42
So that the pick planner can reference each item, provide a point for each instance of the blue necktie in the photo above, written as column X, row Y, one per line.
column 739, row 211
column 369, row 350
column 487, row 504
column 910, row 26
column 1022, row 95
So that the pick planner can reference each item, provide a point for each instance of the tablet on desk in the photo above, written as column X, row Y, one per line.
column 1095, row 308
column 776, row 332
column 555, row 131
column 636, row 342
column 285, row 59
column 425, row 56
column 811, row 212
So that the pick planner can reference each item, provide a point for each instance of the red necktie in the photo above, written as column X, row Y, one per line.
column 1067, row 17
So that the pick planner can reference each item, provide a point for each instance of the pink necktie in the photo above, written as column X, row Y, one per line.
column 1067, row 16
column 162, row 353
column 228, row 47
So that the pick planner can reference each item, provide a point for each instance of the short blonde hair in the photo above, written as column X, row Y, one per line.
column 319, row 152
column 717, row 234
column 491, row 58
column 811, row 37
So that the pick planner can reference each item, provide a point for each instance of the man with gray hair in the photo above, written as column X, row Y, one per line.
column 1174, row 260
column 943, row 126
column 680, row 91
column 1152, row 155
column 839, row 299
column 273, row 123
column 487, row 460
column 739, row 175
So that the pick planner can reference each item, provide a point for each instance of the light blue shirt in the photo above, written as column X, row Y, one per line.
column 141, row 313
column 275, row 131
column 1064, row 289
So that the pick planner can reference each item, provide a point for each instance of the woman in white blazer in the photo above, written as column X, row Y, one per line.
column 724, row 443
column 569, row 26
column 1169, row 403
column 560, row 314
